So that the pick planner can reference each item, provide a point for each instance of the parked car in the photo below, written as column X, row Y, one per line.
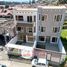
column 2, row 65
column 41, row 62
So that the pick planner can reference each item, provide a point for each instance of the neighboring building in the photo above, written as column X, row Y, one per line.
column 55, row 2
column 6, row 13
column 38, row 32
column 7, row 31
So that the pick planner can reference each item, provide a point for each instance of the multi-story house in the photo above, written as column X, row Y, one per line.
column 38, row 31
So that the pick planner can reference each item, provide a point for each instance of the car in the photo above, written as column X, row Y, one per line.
column 1, row 65
column 41, row 62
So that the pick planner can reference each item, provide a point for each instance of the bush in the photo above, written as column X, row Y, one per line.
column 63, row 63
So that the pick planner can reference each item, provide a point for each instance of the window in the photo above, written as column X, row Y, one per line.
column 22, row 29
column 42, row 18
column 39, row 16
column 48, row 39
column 42, row 29
column 58, row 17
column 45, row 17
column 19, row 18
column 41, row 38
column 30, row 38
column 29, row 30
column 34, row 18
column 56, row 29
column 29, row 18
column 39, row 28
column 34, row 29
column 18, row 28
column 54, row 39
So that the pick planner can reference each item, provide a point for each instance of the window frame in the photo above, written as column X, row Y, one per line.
column 18, row 27
column 43, row 29
column 28, row 31
column 55, row 40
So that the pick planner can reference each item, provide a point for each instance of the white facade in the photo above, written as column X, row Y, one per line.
column 39, row 29
column 53, row 18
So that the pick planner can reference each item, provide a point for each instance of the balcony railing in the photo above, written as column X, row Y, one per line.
column 24, row 22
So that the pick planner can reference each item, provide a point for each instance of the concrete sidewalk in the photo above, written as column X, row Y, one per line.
column 14, row 64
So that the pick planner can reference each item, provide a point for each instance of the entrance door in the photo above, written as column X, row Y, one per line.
column 48, row 39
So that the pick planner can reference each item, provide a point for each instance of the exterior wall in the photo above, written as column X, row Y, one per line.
column 24, row 23
column 48, row 24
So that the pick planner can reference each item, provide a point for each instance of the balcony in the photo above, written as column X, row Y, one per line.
column 25, row 22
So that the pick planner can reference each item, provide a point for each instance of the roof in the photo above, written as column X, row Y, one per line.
column 29, row 9
column 35, row 6
column 52, row 7
column 2, row 12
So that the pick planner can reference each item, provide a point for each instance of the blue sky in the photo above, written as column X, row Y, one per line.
column 15, row 0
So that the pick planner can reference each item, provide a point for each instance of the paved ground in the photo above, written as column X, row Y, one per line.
column 14, row 64
column 11, row 63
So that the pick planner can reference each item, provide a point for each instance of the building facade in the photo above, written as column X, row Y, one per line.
column 38, row 32
column 40, row 24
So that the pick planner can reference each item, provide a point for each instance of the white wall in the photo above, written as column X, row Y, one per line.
column 49, row 24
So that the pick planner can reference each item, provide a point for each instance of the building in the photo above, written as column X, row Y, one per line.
column 38, row 32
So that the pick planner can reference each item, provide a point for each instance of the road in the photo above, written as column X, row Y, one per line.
column 11, row 63
column 14, row 64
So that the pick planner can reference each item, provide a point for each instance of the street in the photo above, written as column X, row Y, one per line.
column 14, row 64
column 11, row 63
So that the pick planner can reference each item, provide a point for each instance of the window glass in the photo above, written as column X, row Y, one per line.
column 42, row 18
column 58, row 17
column 39, row 16
column 56, row 29
column 29, row 18
column 29, row 30
column 42, row 29
column 54, row 39
column 19, row 18
column 41, row 38
column 34, row 18
column 18, row 28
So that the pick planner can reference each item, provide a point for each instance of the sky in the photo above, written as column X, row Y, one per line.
column 16, row 0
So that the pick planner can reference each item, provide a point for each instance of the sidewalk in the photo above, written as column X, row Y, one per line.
column 14, row 64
